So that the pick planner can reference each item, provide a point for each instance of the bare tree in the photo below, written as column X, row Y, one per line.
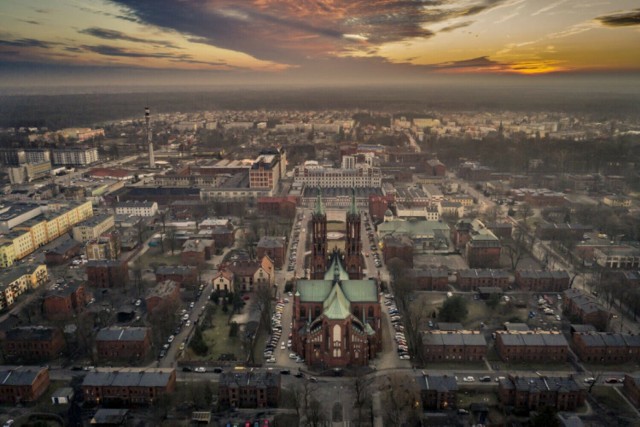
column 315, row 414
column 362, row 395
column 516, row 248
column 400, row 401
column 172, row 239
column 263, row 300
column 162, row 215
column 525, row 212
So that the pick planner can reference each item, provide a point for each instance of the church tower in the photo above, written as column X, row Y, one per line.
column 318, row 240
column 353, row 244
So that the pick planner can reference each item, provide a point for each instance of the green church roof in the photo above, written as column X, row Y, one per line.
column 336, row 269
column 319, row 209
column 336, row 306
column 313, row 290
column 360, row 290
column 353, row 210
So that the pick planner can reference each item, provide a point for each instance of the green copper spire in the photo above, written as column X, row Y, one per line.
column 353, row 210
column 319, row 210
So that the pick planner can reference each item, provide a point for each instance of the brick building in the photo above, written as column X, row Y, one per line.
column 430, row 279
column 437, row 392
column 197, row 251
column 249, row 389
column 436, row 168
column 127, row 386
column 378, row 205
column 283, row 207
column 606, row 347
column 63, row 252
column 400, row 247
column 502, row 230
column 483, row 250
column 529, row 346
column 24, row 384
column 469, row 280
column 542, row 281
column 531, row 393
column 107, row 273
column 586, row 308
column 273, row 247
column 439, row 346
column 125, row 343
column 181, row 274
column 64, row 301
column 33, row 343
column 161, row 293
column 562, row 232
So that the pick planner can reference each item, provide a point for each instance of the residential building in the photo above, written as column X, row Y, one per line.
column 273, row 247
column 29, row 172
column 32, row 344
column 15, row 281
column 249, row 389
column 197, row 251
column 181, row 274
column 74, row 156
column 127, row 386
column 249, row 274
column 606, row 347
column 438, row 392
column 542, row 280
column 585, row 307
column 427, row 236
column 311, row 174
column 430, row 279
column 137, row 208
column 92, row 228
column 483, row 250
column 107, row 246
column 502, row 230
column 22, row 385
column 64, row 301
column 162, row 293
column 470, row 280
column 529, row 346
column 265, row 172
column 531, row 393
column 453, row 346
column 400, row 247
column 107, row 273
column 63, row 253
column 617, row 201
column 124, row 343
column 223, row 280
column 283, row 207
column 562, row 232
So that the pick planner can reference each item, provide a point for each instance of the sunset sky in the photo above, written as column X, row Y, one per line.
column 217, row 41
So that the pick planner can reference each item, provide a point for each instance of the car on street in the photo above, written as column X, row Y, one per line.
column 313, row 379
column 485, row 379
column 589, row 380
column 468, row 379
column 200, row 369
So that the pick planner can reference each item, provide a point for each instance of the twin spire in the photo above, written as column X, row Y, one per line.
column 319, row 208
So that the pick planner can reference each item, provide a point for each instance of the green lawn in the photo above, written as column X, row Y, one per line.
column 154, row 256
column 608, row 397
column 218, row 340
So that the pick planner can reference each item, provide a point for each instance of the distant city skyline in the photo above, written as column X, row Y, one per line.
column 67, row 42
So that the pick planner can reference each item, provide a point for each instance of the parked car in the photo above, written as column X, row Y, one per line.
column 200, row 369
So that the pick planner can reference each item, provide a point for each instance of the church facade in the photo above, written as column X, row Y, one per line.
column 336, row 314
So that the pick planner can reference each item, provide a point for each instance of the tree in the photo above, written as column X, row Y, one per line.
column 400, row 401
column 263, row 300
column 493, row 301
column 546, row 417
column 140, row 226
column 362, row 396
column 525, row 212
column 172, row 239
column 516, row 248
column 163, row 220
column 454, row 309
column 163, row 318
column 197, row 343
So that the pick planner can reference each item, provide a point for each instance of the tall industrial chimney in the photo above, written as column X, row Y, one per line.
column 147, row 119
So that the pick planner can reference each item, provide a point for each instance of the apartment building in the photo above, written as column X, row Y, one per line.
column 92, row 228
column 22, row 385
column 127, row 386
column 74, row 156
column 530, row 346
column 453, row 346
column 531, row 393
column 249, row 389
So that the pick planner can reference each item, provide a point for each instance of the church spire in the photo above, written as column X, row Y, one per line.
column 353, row 210
column 319, row 209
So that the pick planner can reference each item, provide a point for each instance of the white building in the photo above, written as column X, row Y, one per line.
column 137, row 208
column 75, row 156
column 361, row 176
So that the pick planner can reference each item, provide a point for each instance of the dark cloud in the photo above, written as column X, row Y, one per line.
column 27, row 43
column 625, row 19
column 479, row 62
column 107, row 34
column 117, row 51
column 456, row 26
column 290, row 30
column 26, row 21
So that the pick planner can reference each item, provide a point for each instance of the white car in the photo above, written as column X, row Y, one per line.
column 271, row 360
column 200, row 369
column 468, row 379
column 171, row 338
